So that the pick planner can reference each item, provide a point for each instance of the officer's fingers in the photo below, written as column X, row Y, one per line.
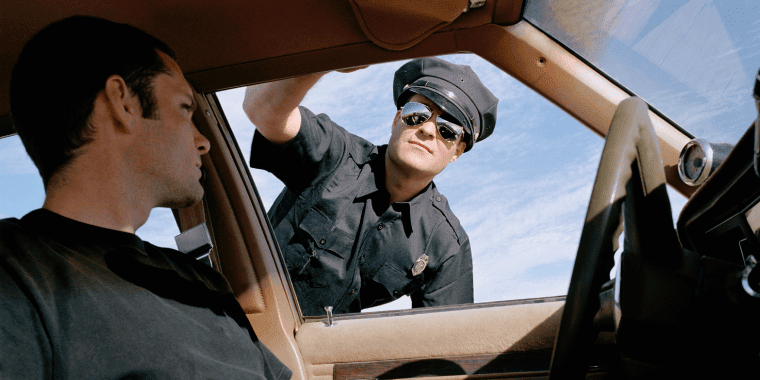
column 352, row 69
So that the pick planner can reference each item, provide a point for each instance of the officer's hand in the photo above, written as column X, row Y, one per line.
column 352, row 69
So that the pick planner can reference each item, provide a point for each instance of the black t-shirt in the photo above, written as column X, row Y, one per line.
column 344, row 246
column 83, row 302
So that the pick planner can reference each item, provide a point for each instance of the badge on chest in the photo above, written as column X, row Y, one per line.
column 420, row 265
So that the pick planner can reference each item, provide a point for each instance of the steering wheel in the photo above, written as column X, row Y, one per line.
column 631, row 139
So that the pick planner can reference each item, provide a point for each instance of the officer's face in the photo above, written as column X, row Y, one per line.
column 420, row 149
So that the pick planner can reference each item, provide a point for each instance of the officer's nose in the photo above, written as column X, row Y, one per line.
column 428, row 128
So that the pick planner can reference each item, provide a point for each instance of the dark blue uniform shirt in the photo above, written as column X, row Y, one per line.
column 344, row 246
column 83, row 302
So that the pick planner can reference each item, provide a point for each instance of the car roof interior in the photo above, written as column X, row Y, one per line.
column 235, row 43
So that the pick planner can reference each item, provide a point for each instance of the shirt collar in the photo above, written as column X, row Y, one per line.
column 411, row 210
column 62, row 229
column 376, row 160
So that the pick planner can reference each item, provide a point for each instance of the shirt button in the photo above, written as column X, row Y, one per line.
column 352, row 291
column 323, row 241
column 437, row 199
column 380, row 227
column 361, row 258
column 396, row 292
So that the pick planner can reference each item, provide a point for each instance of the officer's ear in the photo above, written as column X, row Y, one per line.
column 460, row 150
column 395, row 118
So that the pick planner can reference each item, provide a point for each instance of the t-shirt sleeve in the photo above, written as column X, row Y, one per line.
column 24, row 345
column 315, row 152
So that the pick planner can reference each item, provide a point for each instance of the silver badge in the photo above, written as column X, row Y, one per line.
column 420, row 265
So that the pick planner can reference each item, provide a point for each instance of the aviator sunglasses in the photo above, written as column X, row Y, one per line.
column 414, row 114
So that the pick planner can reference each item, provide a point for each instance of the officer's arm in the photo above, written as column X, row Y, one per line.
column 273, row 107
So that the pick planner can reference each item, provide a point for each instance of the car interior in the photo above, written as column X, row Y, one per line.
column 684, row 297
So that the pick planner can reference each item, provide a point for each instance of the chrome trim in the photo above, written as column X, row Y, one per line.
column 706, row 167
column 751, row 263
column 472, row 4
column 329, row 322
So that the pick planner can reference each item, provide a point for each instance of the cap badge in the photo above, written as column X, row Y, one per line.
column 420, row 265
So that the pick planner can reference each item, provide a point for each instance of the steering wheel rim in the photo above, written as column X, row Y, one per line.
column 630, row 138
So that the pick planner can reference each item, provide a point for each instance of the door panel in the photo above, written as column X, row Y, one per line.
column 446, row 335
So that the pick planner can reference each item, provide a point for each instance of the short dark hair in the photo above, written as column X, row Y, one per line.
column 59, row 73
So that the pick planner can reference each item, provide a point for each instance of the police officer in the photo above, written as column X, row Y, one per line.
column 361, row 225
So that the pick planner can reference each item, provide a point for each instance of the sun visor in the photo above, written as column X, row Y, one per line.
column 400, row 24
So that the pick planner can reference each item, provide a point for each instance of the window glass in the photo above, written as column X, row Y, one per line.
column 521, row 195
column 695, row 60
column 22, row 191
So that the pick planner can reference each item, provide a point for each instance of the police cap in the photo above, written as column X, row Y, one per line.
column 454, row 88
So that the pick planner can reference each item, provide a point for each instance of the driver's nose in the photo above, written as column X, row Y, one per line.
column 201, row 142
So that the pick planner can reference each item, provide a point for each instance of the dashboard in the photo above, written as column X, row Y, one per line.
column 696, row 311
column 722, row 218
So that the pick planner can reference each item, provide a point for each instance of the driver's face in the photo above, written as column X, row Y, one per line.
column 171, row 144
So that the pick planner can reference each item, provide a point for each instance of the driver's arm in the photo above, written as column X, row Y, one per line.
column 25, row 346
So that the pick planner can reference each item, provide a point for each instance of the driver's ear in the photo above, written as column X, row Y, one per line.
column 123, row 106
column 395, row 118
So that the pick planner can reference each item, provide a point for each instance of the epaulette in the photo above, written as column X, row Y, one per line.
column 442, row 204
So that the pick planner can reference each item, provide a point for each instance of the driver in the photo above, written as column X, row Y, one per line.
column 81, row 296
column 361, row 225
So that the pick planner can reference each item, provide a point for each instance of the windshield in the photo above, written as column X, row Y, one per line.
column 693, row 60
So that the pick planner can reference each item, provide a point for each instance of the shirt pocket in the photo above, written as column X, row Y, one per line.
column 325, row 236
column 396, row 281
column 323, row 250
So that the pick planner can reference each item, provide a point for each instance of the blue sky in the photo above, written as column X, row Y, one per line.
column 522, row 194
